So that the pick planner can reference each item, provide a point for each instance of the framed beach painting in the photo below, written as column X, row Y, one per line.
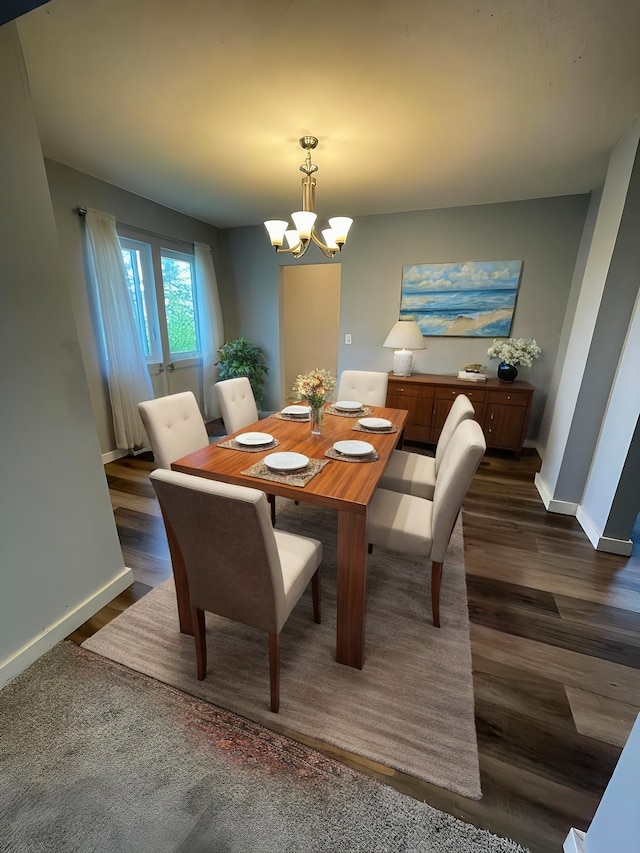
column 462, row 299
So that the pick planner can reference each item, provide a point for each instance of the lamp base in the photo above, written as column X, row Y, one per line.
column 402, row 362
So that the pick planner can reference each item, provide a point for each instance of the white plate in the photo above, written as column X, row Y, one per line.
column 254, row 439
column 296, row 411
column 348, row 405
column 375, row 423
column 286, row 461
column 354, row 448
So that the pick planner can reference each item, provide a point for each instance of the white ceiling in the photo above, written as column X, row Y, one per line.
column 417, row 104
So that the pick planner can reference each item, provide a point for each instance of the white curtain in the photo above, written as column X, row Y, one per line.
column 127, row 374
column 210, row 325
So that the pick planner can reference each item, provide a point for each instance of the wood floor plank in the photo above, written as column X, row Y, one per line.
column 599, row 615
column 566, row 667
column 515, row 614
column 539, row 574
column 134, row 502
column 601, row 718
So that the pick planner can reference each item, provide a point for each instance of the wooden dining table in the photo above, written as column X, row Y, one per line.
column 344, row 486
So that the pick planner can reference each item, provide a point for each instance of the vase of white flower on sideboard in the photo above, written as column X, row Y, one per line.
column 511, row 352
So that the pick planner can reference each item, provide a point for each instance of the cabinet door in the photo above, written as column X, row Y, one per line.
column 442, row 406
column 417, row 399
column 504, row 426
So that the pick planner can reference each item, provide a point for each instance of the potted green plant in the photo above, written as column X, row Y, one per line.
column 241, row 357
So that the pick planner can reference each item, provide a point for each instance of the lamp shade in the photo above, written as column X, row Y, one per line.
column 405, row 334
column 404, row 337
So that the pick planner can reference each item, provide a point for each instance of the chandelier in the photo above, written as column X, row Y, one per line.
column 299, row 239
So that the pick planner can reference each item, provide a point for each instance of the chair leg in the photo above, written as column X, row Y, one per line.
column 315, row 592
column 436, row 577
column 272, row 504
column 199, row 636
column 274, row 671
column 369, row 548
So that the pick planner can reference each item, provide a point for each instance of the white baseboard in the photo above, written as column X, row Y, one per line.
column 574, row 842
column 552, row 505
column 17, row 663
column 623, row 547
column 112, row 455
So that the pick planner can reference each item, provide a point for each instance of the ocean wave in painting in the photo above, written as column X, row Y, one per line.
column 466, row 302
column 481, row 325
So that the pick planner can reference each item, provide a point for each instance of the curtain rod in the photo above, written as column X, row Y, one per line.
column 82, row 211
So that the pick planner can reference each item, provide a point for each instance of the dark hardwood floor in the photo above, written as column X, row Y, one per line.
column 555, row 634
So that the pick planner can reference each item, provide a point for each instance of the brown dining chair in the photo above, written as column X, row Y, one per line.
column 414, row 525
column 415, row 474
column 237, row 565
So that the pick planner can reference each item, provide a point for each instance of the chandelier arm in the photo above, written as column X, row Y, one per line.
column 301, row 249
column 330, row 253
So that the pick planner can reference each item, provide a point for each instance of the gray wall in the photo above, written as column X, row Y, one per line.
column 59, row 550
column 544, row 233
column 70, row 189
column 616, row 307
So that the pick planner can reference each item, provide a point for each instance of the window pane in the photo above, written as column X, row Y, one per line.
column 177, row 281
column 133, row 266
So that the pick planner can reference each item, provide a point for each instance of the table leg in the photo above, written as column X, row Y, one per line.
column 352, row 589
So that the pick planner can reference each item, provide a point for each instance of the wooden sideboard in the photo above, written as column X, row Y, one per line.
column 502, row 409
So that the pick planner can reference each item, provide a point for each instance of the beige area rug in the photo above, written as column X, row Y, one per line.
column 411, row 706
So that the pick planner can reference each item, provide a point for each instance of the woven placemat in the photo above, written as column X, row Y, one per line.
column 361, row 413
column 341, row 457
column 359, row 428
column 296, row 478
column 232, row 444
column 281, row 417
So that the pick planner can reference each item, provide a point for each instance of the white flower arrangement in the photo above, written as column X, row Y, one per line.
column 515, row 351
column 314, row 387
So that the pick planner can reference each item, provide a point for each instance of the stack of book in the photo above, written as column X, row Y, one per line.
column 471, row 376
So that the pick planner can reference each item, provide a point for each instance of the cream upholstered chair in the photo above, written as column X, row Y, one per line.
column 174, row 426
column 237, row 403
column 238, row 408
column 365, row 386
column 237, row 566
column 415, row 474
column 415, row 525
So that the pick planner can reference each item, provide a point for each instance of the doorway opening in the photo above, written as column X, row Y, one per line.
column 309, row 321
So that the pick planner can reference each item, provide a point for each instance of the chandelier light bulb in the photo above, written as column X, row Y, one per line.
column 304, row 221
column 293, row 238
column 330, row 239
column 276, row 229
column 340, row 226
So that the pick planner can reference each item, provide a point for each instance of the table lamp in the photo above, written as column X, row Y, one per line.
column 404, row 337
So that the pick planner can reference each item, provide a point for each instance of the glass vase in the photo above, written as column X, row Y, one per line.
column 317, row 413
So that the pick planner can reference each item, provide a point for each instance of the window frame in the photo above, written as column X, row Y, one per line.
column 152, row 249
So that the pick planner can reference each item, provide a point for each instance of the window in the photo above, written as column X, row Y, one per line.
column 162, row 290
column 179, row 302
